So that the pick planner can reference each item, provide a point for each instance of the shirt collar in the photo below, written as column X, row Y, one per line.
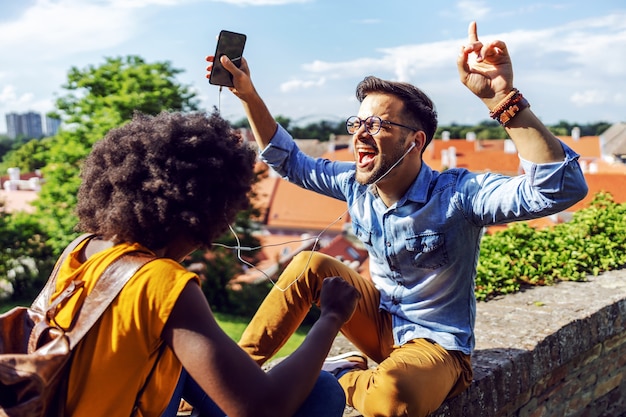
column 418, row 191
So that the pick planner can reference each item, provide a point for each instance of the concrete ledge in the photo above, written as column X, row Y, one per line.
column 548, row 351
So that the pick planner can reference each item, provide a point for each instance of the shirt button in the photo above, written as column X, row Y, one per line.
column 388, row 244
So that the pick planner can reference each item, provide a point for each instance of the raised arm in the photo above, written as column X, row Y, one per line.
column 490, row 78
column 262, row 123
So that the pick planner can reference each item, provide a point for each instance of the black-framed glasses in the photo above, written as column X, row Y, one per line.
column 372, row 124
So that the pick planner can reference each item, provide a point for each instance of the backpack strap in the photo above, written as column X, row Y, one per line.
column 41, row 302
column 109, row 285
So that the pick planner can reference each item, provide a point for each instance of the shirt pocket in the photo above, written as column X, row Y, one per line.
column 428, row 250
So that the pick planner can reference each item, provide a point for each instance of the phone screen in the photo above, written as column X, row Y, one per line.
column 230, row 44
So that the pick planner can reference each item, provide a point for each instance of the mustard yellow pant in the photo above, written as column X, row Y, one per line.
column 409, row 380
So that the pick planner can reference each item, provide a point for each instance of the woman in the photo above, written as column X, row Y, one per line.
column 167, row 185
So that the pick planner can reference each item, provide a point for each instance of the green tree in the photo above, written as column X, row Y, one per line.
column 25, row 259
column 595, row 129
column 319, row 130
column 285, row 122
column 241, row 123
column 99, row 98
column 6, row 143
column 28, row 157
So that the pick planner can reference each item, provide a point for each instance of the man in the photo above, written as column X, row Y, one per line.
column 422, row 230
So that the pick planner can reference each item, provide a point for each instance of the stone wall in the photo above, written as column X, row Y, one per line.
column 548, row 351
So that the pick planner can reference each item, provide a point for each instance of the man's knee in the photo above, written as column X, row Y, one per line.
column 394, row 393
column 311, row 262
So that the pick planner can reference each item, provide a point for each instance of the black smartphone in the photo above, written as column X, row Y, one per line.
column 230, row 44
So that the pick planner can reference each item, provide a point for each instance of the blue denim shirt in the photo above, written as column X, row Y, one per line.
column 424, row 249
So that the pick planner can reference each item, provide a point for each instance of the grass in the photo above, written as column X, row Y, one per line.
column 233, row 326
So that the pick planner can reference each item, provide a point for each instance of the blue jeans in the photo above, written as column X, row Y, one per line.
column 326, row 399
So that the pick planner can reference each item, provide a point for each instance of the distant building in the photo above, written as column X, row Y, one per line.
column 52, row 126
column 13, row 125
column 26, row 125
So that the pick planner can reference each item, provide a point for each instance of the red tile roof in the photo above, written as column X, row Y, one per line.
column 277, row 251
column 343, row 248
column 587, row 146
column 293, row 208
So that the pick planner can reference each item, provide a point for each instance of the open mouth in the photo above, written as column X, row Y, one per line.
column 365, row 156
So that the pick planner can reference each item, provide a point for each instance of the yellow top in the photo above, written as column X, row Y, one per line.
column 111, row 363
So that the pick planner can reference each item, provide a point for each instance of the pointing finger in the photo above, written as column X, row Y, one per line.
column 472, row 32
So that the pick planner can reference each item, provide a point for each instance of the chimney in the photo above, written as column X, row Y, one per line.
column 14, row 174
column 584, row 166
column 445, row 161
column 452, row 156
column 332, row 138
column 576, row 133
column 509, row 146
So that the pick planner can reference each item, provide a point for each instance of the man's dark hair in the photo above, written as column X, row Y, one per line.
column 418, row 107
column 159, row 176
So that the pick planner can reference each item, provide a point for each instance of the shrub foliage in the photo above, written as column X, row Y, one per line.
column 594, row 241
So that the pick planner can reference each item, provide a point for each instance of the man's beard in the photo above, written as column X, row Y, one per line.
column 386, row 162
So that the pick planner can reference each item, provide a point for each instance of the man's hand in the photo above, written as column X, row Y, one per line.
column 490, row 75
column 243, row 87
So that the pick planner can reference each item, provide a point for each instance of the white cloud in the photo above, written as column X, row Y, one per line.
column 407, row 61
column 15, row 101
column 596, row 97
column 401, row 62
column 565, row 68
column 7, row 94
column 589, row 97
column 568, row 53
column 297, row 85
column 52, row 29
column 343, row 69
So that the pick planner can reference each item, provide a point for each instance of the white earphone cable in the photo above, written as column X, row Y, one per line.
column 317, row 238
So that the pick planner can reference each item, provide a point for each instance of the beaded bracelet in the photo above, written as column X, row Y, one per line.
column 510, row 106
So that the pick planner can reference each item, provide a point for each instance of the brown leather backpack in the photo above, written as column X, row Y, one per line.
column 35, row 354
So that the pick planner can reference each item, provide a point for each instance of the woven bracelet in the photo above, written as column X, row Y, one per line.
column 505, row 103
column 512, row 104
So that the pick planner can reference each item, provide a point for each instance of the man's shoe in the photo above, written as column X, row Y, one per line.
column 345, row 362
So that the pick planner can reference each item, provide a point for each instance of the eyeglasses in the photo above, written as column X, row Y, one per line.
column 372, row 124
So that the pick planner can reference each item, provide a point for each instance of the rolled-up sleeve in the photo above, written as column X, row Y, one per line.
column 276, row 154
column 543, row 190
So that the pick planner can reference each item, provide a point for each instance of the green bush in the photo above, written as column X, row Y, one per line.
column 25, row 259
column 594, row 241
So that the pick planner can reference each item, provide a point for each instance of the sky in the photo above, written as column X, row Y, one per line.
column 306, row 56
